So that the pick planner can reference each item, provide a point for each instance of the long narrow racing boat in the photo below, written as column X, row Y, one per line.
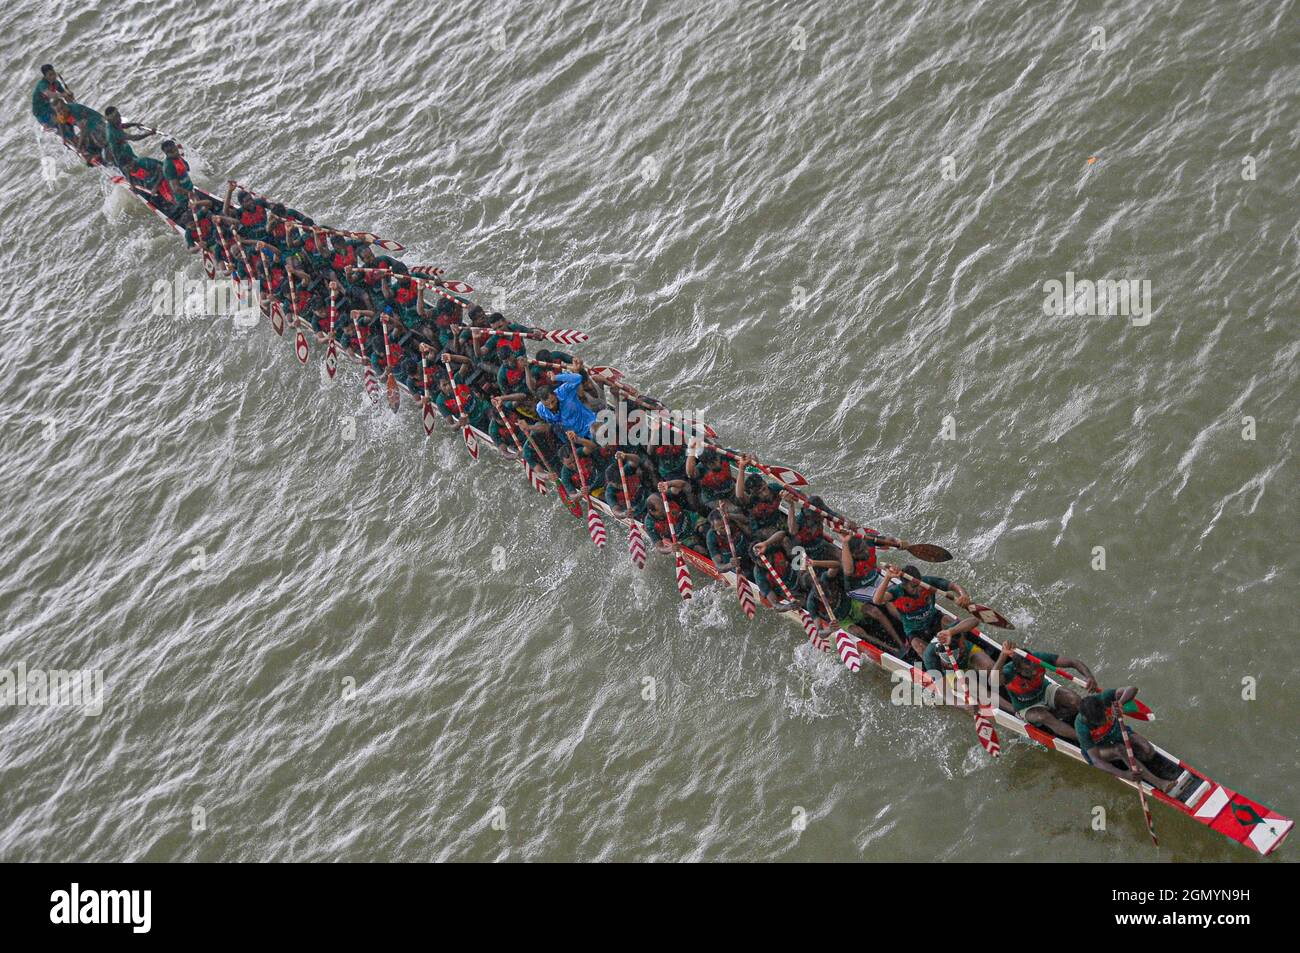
column 1193, row 793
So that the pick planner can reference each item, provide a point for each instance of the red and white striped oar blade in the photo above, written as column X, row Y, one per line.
column 636, row 545
column 988, row 734
column 747, row 603
column 331, row 359
column 573, row 505
column 787, row 476
column 428, row 416
column 684, row 585
column 538, row 483
column 595, row 526
column 610, row 373
column 277, row 318
column 566, row 336
column 372, row 386
column 300, row 346
column 989, row 616
column 847, row 646
column 209, row 264
column 815, row 636
column 471, row 442
column 458, row 286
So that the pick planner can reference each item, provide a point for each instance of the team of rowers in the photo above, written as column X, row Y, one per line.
column 475, row 369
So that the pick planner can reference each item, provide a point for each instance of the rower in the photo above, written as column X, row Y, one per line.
column 964, row 652
column 120, row 152
column 1035, row 697
column 634, row 503
column 685, row 523
column 759, row 500
column 1101, row 738
column 176, row 185
column 773, row 548
column 48, row 90
column 710, row 471
column 915, row 603
column 92, row 131
column 715, row 540
column 861, row 575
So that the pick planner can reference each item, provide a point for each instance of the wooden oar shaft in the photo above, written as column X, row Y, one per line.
column 1133, row 766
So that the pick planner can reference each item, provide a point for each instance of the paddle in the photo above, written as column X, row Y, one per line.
column 558, row 336
column 985, row 728
column 372, row 389
column 67, row 90
column 394, row 398
column 299, row 339
column 595, row 525
column 332, row 317
column 684, row 584
column 635, row 544
column 574, row 508
column 264, row 282
column 984, row 613
column 747, row 603
column 538, row 483
column 1137, row 773
column 845, row 644
column 427, row 415
column 471, row 442
column 809, row 623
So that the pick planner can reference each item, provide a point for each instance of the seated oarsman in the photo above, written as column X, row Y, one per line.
column 541, row 447
column 404, row 296
column 859, row 572
column 967, row 655
column 632, row 504
column 505, row 342
column 915, row 603
column 805, row 527
column 759, row 500
column 686, row 524
column 176, row 187
column 715, row 540
column 1035, row 697
column 119, row 142
column 546, row 375
column 1099, row 732
column 710, row 471
column 573, row 470
column 669, row 458
column 198, row 224
column 507, row 407
column 92, row 131
column 250, row 214
column 774, row 549
column 848, row 614
column 477, row 411
column 48, row 90
column 515, row 375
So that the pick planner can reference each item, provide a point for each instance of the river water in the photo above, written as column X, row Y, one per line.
column 828, row 227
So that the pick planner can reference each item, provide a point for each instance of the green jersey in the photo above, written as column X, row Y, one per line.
column 1099, row 736
column 1027, row 692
